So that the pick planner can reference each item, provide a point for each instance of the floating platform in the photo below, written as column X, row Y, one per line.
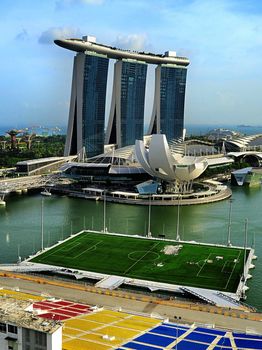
column 215, row 273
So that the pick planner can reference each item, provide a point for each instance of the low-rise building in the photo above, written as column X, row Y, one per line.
column 21, row 329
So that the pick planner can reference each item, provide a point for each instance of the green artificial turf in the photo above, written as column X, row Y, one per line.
column 202, row 266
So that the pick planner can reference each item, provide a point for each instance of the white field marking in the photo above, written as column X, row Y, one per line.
column 71, row 248
column 89, row 248
column 224, row 266
column 229, row 278
column 130, row 267
column 135, row 251
column 222, row 270
column 56, row 250
column 73, row 240
column 201, row 268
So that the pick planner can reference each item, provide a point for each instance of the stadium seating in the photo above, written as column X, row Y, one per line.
column 90, row 328
column 175, row 336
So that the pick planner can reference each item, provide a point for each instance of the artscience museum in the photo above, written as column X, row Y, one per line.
column 161, row 163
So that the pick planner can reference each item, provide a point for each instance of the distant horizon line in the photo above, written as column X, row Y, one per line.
column 65, row 125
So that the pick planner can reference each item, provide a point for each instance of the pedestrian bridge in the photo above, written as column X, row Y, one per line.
column 22, row 184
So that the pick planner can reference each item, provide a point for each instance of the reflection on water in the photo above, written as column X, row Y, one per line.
column 20, row 224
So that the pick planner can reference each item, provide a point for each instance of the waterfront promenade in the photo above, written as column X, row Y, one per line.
column 212, row 195
column 22, row 184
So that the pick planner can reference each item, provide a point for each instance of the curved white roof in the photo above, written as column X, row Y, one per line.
column 243, row 141
column 159, row 162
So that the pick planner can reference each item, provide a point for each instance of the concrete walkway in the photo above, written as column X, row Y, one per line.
column 174, row 310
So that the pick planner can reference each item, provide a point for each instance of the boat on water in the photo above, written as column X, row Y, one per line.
column 46, row 193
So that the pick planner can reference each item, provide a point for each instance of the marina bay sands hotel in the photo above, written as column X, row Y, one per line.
column 86, row 125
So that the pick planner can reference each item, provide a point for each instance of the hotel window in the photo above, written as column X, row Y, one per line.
column 2, row 327
column 12, row 329
column 40, row 338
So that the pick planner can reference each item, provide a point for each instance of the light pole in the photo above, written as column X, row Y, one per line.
column 42, row 224
column 245, row 247
column 178, row 219
column 229, row 223
column 149, row 218
column 104, row 228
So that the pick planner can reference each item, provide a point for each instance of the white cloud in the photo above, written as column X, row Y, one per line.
column 215, row 31
column 131, row 42
column 48, row 36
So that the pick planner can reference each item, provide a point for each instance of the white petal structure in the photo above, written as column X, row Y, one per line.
column 158, row 161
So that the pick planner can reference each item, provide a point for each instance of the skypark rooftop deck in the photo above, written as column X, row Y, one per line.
column 81, row 45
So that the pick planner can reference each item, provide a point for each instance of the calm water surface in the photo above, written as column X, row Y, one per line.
column 20, row 224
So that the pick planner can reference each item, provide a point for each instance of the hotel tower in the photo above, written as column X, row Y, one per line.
column 86, row 125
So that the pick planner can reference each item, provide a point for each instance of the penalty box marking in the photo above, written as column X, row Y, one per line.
column 89, row 248
column 230, row 261
column 71, row 248
column 201, row 268
column 74, row 244
column 54, row 250
column 229, row 278
column 222, row 270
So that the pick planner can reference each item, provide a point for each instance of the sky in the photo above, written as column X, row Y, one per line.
column 221, row 38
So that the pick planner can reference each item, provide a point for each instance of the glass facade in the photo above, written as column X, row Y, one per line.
column 133, row 83
column 172, row 101
column 94, row 98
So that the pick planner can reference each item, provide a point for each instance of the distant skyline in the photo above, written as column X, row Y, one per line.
column 221, row 38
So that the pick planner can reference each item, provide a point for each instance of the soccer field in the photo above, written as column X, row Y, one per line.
column 202, row 266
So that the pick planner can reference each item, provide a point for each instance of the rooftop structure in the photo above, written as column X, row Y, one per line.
column 21, row 329
column 41, row 165
column 253, row 158
column 15, row 311
column 82, row 45
column 244, row 143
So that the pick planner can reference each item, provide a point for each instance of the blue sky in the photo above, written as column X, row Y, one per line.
column 222, row 39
